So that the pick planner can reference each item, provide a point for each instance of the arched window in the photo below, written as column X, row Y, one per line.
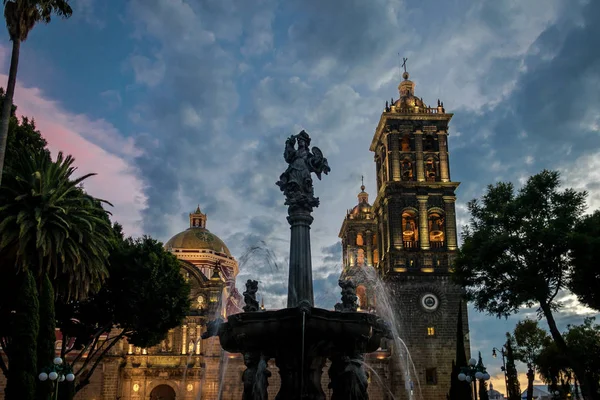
column 410, row 229
column 430, row 170
column 437, row 234
column 407, row 170
column 405, row 143
column 359, row 239
column 360, row 257
column 375, row 257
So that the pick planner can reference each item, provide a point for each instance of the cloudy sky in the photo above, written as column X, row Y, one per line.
column 177, row 103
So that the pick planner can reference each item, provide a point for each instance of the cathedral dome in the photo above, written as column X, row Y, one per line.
column 197, row 238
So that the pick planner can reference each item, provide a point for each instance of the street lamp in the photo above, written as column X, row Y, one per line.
column 503, row 353
column 58, row 372
column 473, row 373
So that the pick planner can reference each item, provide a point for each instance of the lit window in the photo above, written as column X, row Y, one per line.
column 430, row 331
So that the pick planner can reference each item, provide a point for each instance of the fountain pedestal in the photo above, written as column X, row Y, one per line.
column 302, row 338
column 300, row 283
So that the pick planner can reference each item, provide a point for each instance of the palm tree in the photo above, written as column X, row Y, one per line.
column 49, row 225
column 21, row 16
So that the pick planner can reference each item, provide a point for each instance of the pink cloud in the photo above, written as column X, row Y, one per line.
column 97, row 147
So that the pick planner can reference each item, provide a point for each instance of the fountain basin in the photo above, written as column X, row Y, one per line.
column 326, row 333
column 301, row 340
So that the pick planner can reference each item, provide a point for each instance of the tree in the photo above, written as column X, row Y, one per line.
column 516, row 249
column 585, row 245
column 459, row 390
column 50, row 225
column 530, row 340
column 513, row 388
column 21, row 350
column 584, row 342
column 46, row 337
column 21, row 16
column 144, row 296
column 483, row 391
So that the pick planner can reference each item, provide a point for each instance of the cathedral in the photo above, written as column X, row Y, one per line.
column 398, row 249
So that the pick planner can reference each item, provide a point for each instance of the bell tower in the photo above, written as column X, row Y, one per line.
column 416, row 226
column 359, row 249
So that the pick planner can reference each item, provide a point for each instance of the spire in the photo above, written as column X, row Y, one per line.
column 406, row 87
column 363, row 197
column 197, row 219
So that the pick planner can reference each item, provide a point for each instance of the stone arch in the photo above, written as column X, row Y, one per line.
column 436, row 222
column 407, row 169
column 410, row 228
column 405, row 145
column 360, row 241
column 432, row 168
column 163, row 391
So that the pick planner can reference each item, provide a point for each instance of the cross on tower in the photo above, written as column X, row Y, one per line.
column 404, row 59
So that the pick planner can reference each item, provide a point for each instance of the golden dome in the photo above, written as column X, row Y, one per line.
column 196, row 238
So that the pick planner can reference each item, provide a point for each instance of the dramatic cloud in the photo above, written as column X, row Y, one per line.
column 206, row 93
column 97, row 146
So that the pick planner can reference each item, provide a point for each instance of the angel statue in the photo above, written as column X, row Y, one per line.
column 296, row 182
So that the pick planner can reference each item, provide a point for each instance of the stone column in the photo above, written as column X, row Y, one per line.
column 300, row 284
column 423, row 223
column 184, row 339
column 394, row 145
column 198, row 341
column 451, row 234
column 170, row 342
column 419, row 155
column 369, row 239
column 443, row 145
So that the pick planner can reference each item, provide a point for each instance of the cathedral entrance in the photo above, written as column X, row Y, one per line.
column 162, row 392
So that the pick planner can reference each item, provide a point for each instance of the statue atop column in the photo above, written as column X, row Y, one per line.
column 296, row 182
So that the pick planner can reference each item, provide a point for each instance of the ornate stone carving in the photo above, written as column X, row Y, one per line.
column 348, row 378
column 349, row 298
column 250, row 296
column 296, row 182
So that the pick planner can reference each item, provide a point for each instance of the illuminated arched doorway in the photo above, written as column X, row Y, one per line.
column 162, row 392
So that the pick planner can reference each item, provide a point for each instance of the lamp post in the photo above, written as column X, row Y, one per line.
column 473, row 373
column 58, row 372
column 502, row 352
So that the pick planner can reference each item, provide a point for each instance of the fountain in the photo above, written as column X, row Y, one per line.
column 300, row 338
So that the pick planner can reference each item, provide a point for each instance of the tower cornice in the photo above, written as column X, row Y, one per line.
column 432, row 115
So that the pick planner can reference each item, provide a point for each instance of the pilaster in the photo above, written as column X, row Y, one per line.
column 451, row 234
column 443, row 147
column 184, row 339
column 423, row 223
column 394, row 145
column 369, row 240
column 419, row 156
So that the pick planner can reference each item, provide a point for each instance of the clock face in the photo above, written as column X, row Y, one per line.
column 430, row 302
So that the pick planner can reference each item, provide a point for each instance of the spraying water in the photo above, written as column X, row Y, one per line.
column 387, row 310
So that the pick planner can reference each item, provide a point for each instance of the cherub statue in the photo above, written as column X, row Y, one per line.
column 296, row 182
column 250, row 296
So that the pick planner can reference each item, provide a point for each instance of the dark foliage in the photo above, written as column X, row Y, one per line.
column 585, row 244
column 144, row 296
column 22, row 348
